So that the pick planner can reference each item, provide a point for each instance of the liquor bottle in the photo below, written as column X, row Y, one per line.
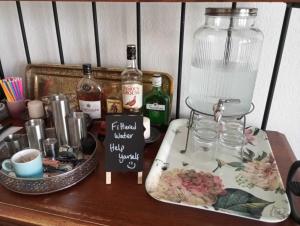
column 132, row 84
column 90, row 94
column 114, row 100
column 157, row 104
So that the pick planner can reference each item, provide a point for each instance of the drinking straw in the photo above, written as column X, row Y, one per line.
column 13, row 82
column 20, row 86
column 9, row 89
column 13, row 88
column 7, row 94
column 13, row 91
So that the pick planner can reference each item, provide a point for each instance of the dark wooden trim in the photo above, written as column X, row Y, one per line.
column 23, row 31
column 295, row 2
column 57, row 29
column 284, row 30
column 96, row 33
column 180, row 55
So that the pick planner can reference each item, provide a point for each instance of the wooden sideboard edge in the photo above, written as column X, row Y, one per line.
column 162, row 1
column 285, row 140
column 16, row 214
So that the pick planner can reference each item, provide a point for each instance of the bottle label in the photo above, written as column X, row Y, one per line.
column 92, row 108
column 114, row 106
column 156, row 107
column 132, row 96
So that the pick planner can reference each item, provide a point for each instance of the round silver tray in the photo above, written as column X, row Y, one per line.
column 52, row 184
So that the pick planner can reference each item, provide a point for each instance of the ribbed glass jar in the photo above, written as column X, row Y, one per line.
column 225, row 59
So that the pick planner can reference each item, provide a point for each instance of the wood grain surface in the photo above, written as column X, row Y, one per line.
column 287, row 1
column 124, row 202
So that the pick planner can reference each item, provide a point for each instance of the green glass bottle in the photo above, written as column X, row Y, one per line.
column 157, row 104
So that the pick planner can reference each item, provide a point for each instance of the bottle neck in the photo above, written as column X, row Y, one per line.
column 224, row 22
column 131, row 63
column 88, row 75
column 156, row 89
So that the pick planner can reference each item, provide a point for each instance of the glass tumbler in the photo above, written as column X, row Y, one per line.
column 232, row 134
column 205, row 134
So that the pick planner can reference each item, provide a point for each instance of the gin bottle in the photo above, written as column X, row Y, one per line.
column 157, row 104
column 132, row 84
column 90, row 94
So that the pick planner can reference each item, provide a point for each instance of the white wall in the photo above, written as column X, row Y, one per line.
column 160, row 38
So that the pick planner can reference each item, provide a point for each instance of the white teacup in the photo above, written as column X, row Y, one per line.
column 26, row 163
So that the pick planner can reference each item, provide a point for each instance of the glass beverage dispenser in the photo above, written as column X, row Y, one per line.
column 225, row 59
column 224, row 65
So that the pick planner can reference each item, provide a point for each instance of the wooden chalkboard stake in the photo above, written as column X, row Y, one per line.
column 108, row 177
column 140, row 177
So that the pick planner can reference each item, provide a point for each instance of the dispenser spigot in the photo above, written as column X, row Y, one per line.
column 219, row 108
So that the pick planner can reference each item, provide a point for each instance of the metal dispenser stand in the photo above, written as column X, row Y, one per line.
column 194, row 111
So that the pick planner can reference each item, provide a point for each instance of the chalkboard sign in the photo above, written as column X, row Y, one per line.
column 124, row 143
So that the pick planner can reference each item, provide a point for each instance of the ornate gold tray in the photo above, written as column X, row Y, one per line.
column 45, row 79
column 51, row 184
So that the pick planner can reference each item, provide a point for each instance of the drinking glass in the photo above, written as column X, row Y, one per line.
column 204, row 133
column 232, row 134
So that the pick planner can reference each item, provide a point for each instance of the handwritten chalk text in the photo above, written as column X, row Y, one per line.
column 123, row 126
column 123, row 157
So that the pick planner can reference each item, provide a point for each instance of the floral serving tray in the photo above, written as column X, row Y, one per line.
column 221, row 181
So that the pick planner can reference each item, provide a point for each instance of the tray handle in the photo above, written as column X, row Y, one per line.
column 293, row 187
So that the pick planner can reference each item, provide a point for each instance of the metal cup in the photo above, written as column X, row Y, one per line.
column 50, row 146
column 35, row 133
column 50, row 132
column 15, row 143
column 77, row 124
column 60, row 110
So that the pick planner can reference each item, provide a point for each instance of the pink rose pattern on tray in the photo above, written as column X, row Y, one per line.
column 189, row 186
column 205, row 189
column 260, row 171
column 250, row 135
column 262, row 174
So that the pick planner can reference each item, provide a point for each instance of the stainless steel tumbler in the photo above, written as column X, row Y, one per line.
column 60, row 109
column 77, row 124
column 35, row 133
column 15, row 143
column 50, row 148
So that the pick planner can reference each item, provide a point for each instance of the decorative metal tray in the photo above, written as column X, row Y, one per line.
column 51, row 184
column 44, row 79
column 223, row 182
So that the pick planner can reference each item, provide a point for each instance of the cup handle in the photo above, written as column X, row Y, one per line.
column 26, row 102
column 7, row 165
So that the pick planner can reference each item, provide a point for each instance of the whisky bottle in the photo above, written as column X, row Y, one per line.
column 90, row 94
column 157, row 104
column 132, row 84
column 114, row 100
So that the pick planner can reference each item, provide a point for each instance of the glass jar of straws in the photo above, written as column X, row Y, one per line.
column 14, row 93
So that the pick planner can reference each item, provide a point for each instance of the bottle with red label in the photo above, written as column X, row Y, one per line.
column 90, row 94
column 132, row 84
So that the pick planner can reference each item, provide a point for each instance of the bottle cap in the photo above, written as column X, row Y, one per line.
column 131, row 52
column 87, row 68
column 156, row 80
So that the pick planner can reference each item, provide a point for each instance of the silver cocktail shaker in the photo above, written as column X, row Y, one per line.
column 60, row 109
column 77, row 124
column 35, row 133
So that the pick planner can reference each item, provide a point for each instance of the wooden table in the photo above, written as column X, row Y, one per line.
column 124, row 202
